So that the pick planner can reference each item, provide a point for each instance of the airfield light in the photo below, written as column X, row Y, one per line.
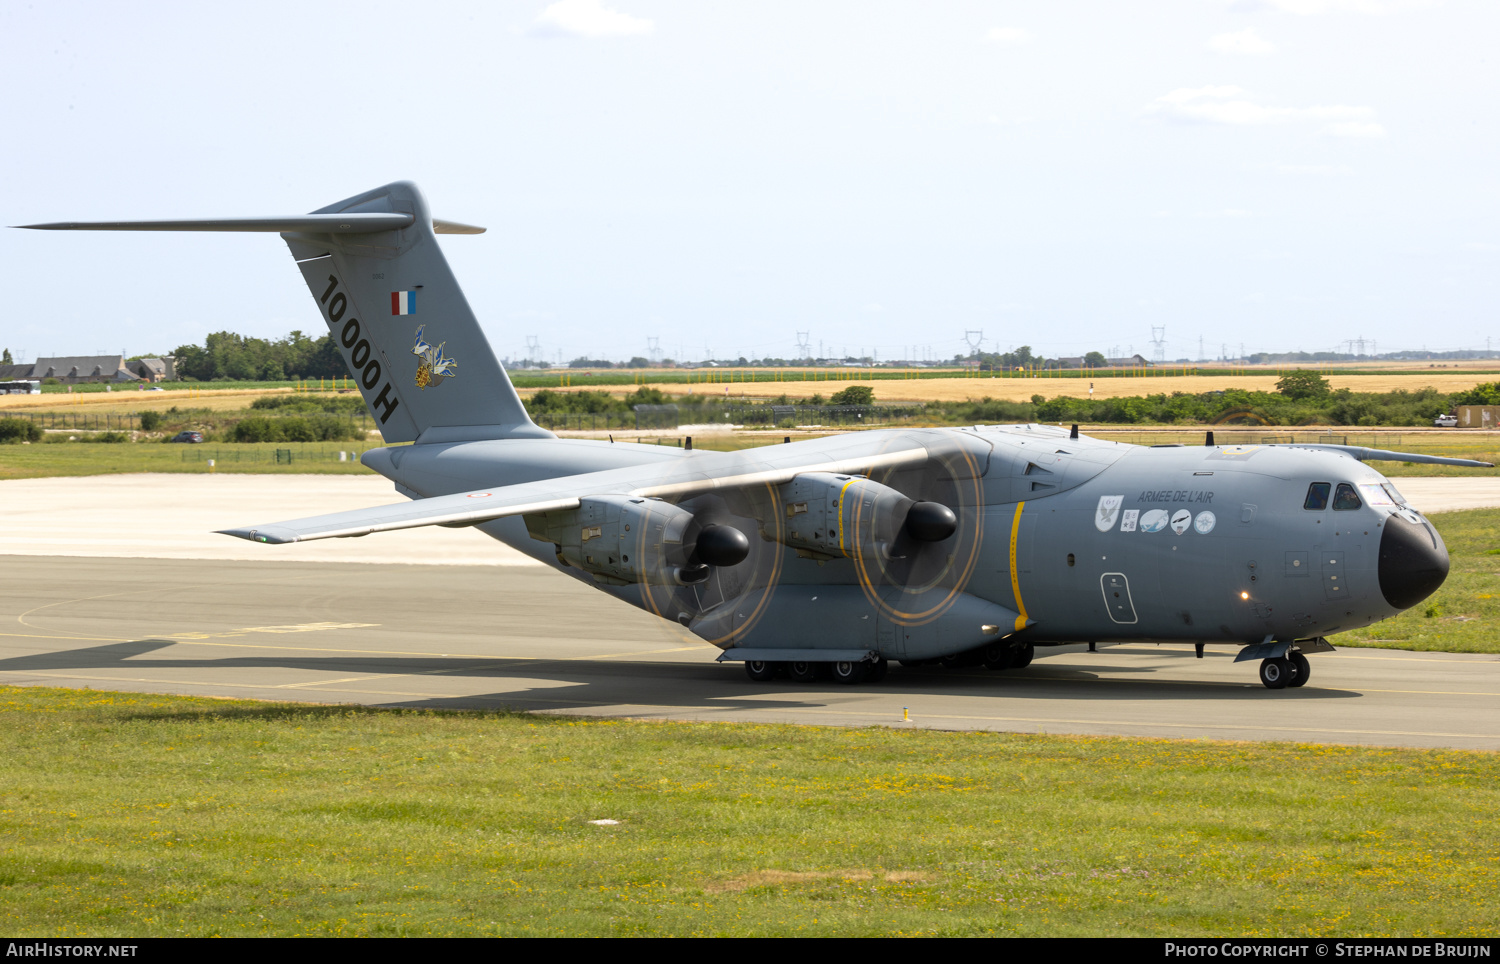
column 1244, row 595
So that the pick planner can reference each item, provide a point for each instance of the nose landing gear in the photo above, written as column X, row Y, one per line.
column 1293, row 669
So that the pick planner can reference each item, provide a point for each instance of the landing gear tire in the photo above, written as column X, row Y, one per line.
column 1022, row 656
column 878, row 670
column 802, row 671
column 762, row 671
column 999, row 656
column 1301, row 669
column 1275, row 673
column 850, row 672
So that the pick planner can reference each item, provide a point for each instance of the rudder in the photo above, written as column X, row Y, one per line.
column 404, row 327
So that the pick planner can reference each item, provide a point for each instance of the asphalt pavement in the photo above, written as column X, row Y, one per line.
column 118, row 582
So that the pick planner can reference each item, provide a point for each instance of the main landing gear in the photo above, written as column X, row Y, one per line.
column 847, row 672
column 1293, row 669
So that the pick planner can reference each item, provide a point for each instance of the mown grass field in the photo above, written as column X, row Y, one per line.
column 140, row 815
column 47, row 460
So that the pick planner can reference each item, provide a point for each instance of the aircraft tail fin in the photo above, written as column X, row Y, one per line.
column 393, row 308
column 397, row 314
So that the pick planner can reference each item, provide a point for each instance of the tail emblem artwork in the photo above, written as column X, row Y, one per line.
column 828, row 556
column 434, row 365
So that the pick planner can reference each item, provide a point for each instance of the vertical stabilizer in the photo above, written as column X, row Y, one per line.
column 397, row 315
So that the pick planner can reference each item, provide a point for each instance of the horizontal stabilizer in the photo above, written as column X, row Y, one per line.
column 299, row 223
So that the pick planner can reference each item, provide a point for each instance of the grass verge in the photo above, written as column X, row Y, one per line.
column 131, row 814
column 103, row 458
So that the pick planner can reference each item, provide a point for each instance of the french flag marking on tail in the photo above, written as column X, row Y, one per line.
column 403, row 302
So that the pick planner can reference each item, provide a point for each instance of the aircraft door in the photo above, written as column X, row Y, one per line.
column 1116, row 589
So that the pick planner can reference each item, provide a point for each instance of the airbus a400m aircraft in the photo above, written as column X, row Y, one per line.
column 832, row 556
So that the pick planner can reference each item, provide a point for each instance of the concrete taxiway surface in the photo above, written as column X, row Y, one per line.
column 523, row 636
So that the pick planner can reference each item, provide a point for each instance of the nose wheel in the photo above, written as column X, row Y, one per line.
column 1290, row 670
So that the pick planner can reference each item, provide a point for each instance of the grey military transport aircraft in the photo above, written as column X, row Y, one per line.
column 828, row 557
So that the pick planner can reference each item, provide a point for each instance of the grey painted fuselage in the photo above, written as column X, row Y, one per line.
column 1109, row 541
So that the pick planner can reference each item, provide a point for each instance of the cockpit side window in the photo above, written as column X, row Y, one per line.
column 1345, row 497
column 1317, row 495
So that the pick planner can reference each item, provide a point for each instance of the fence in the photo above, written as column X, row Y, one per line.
column 1243, row 435
column 201, row 453
column 85, row 420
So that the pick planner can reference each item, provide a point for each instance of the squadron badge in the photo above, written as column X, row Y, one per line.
column 433, row 365
column 1108, row 512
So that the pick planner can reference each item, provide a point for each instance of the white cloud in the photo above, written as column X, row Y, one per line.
column 1245, row 41
column 588, row 18
column 1009, row 36
column 1231, row 105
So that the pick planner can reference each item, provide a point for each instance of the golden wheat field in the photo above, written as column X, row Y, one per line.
column 1020, row 389
column 825, row 382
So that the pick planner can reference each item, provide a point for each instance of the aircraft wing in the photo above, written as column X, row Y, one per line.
column 702, row 472
column 1364, row 454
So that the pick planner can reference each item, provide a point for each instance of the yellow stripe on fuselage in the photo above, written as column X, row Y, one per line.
column 1015, row 578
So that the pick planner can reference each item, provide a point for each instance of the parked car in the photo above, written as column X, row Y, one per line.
column 187, row 437
column 1445, row 421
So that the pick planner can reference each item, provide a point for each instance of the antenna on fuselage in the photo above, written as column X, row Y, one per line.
column 1074, row 433
column 1210, row 440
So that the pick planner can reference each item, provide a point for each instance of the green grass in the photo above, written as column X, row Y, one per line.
column 45, row 460
column 129, row 814
column 1461, row 616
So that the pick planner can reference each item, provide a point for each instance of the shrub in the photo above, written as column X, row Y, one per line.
column 16, row 430
column 151, row 421
column 293, row 428
column 111, row 437
column 854, row 395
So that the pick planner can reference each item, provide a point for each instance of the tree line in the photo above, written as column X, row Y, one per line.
column 227, row 356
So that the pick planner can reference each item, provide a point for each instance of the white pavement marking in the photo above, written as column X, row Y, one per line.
column 167, row 516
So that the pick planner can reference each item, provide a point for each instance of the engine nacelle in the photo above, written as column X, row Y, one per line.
column 623, row 540
column 831, row 516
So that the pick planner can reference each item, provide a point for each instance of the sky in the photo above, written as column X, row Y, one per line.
column 890, row 178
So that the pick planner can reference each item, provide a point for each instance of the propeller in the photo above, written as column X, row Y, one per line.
column 919, row 574
column 740, row 573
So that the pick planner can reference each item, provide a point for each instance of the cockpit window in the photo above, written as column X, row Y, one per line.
column 1395, row 495
column 1317, row 495
column 1376, row 494
column 1345, row 497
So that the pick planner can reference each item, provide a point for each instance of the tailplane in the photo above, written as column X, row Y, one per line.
column 395, row 311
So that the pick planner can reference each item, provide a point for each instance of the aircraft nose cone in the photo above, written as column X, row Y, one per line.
column 1413, row 562
column 931, row 522
column 722, row 546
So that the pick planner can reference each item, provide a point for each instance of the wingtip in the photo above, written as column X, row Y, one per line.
column 270, row 535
